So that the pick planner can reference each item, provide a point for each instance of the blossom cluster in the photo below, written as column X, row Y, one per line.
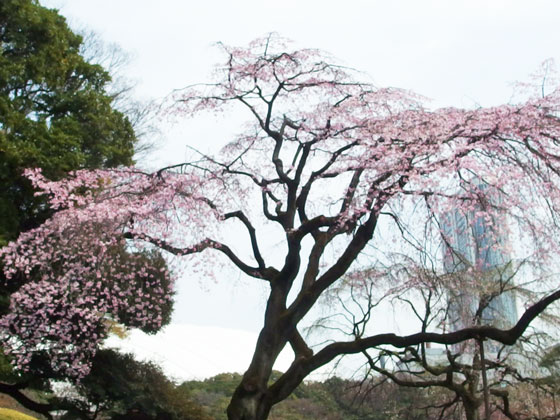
column 78, row 270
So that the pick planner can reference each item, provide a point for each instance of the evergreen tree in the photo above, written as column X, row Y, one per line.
column 55, row 112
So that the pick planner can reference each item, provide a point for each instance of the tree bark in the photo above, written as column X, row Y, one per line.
column 484, row 380
column 471, row 410
column 247, row 406
column 251, row 399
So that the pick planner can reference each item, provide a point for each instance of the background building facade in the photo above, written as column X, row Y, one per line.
column 481, row 272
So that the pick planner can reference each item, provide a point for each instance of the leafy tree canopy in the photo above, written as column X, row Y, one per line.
column 58, row 113
column 55, row 112
column 121, row 387
column 333, row 399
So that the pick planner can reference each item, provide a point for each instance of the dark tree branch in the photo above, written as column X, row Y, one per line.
column 266, row 211
column 307, row 299
column 254, row 244
column 302, row 367
column 505, row 408
column 351, row 190
column 402, row 382
column 256, row 272
column 14, row 391
column 299, row 346
column 312, row 270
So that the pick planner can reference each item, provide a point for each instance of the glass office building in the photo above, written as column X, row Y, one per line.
column 473, row 241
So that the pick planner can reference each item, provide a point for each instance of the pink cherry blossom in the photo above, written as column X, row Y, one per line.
column 330, row 163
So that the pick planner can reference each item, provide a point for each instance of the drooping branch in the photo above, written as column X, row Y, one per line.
column 509, row 336
column 303, row 367
column 402, row 382
column 505, row 407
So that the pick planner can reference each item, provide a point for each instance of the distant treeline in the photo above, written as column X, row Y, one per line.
column 333, row 399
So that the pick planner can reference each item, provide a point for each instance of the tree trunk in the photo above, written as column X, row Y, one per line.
column 251, row 399
column 248, row 407
column 471, row 410
column 484, row 381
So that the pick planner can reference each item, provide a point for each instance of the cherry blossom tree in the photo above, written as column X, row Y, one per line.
column 333, row 176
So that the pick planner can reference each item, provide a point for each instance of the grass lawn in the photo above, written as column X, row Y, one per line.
column 9, row 414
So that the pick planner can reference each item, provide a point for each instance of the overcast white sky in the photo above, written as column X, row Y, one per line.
column 457, row 52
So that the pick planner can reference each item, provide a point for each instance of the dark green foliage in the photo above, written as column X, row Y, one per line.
column 551, row 359
column 55, row 112
column 214, row 393
column 120, row 387
column 550, row 363
column 334, row 399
